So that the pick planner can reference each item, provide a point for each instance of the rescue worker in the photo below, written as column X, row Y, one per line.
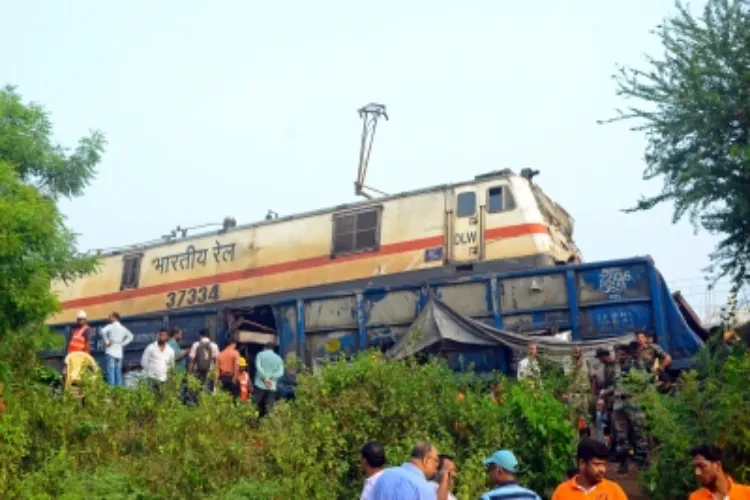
column 628, row 418
column 654, row 357
column 604, row 387
column 601, row 421
column 76, row 364
column 580, row 390
column 528, row 367
column 604, row 376
column 79, row 340
column 636, row 360
column 243, row 381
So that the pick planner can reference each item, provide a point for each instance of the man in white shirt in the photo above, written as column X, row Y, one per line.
column 528, row 367
column 157, row 359
column 372, row 461
column 115, row 337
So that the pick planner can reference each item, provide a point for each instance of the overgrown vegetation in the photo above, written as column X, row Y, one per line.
column 710, row 405
column 125, row 444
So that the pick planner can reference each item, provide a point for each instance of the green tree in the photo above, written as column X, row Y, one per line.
column 26, row 143
column 694, row 107
column 35, row 245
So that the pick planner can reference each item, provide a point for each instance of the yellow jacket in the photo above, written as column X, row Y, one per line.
column 75, row 364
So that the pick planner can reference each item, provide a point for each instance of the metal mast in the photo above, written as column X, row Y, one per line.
column 369, row 115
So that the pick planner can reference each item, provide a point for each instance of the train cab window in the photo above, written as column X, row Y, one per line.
column 499, row 199
column 356, row 232
column 466, row 204
column 131, row 271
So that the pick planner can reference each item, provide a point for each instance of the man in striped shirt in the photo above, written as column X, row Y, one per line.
column 502, row 468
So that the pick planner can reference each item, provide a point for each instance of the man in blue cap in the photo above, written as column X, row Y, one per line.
column 502, row 468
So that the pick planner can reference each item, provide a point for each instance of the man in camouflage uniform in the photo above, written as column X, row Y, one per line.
column 604, row 378
column 649, row 352
column 580, row 390
column 629, row 419
column 604, row 386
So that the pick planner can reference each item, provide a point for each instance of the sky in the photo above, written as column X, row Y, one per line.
column 238, row 107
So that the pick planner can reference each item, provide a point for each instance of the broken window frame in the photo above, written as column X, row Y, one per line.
column 353, row 248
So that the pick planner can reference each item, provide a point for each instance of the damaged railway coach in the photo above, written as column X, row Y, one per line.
column 333, row 282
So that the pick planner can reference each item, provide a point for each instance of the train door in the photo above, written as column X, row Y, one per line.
column 464, row 222
column 252, row 328
column 500, row 220
column 500, row 207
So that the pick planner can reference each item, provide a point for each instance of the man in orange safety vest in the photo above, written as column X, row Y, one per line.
column 243, row 379
column 79, row 340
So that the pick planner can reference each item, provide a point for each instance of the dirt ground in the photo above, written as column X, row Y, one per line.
column 629, row 482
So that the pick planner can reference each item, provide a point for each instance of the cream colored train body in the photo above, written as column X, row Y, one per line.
column 498, row 221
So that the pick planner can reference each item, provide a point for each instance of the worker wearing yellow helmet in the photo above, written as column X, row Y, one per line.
column 244, row 380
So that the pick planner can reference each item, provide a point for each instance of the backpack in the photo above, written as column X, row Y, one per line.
column 203, row 357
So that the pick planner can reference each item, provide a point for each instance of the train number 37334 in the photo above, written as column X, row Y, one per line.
column 191, row 296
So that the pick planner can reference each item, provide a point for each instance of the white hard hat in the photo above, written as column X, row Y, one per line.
column 81, row 315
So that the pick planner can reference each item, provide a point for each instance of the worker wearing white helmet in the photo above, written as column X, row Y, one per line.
column 79, row 340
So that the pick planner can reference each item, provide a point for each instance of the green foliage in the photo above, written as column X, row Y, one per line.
column 36, row 246
column 543, row 435
column 26, row 144
column 695, row 112
column 126, row 443
column 710, row 406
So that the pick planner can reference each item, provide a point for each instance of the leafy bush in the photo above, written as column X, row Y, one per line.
column 127, row 444
column 710, row 405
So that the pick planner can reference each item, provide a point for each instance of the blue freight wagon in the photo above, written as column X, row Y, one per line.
column 592, row 301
